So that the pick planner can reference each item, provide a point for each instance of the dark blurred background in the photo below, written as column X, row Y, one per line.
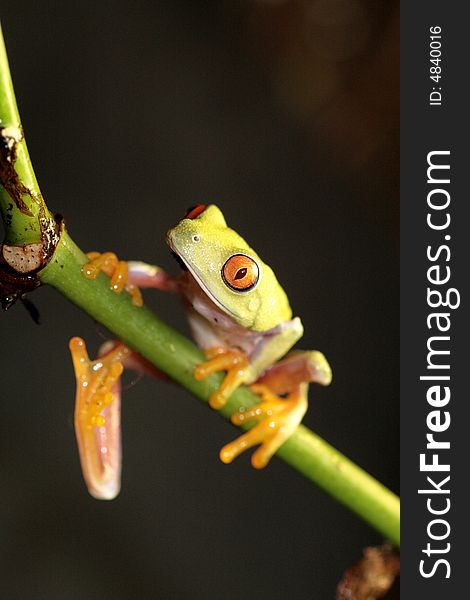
column 285, row 114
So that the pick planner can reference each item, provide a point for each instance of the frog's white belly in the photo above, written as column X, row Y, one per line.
column 211, row 326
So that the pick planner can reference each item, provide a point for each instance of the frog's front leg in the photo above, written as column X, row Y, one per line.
column 129, row 276
column 277, row 417
column 117, row 271
column 234, row 362
column 242, row 369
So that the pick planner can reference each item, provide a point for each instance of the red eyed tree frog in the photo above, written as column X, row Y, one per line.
column 238, row 314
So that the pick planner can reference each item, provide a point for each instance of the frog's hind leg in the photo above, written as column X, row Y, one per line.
column 98, row 412
column 276, row 417
column 98, row 417
column 276, row 420
column 298, row 366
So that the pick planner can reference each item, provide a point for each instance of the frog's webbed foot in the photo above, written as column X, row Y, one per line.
column 98, row 417
column 276, row 420
column 117, row 270
column 220, row 359
column 283, row 389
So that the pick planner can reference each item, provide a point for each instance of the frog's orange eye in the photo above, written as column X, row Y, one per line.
column 240, row 272
column 195, row 211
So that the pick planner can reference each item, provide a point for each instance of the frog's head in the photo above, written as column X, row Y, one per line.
column 228, row 270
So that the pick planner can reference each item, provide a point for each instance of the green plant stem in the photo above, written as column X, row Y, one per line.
column 177, row 356
column 20, row 227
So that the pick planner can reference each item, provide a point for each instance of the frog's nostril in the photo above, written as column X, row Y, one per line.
column 196, row 238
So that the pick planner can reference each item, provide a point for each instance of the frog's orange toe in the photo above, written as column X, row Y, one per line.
column 119, row 277
column 244, row 442
column 217, row 399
